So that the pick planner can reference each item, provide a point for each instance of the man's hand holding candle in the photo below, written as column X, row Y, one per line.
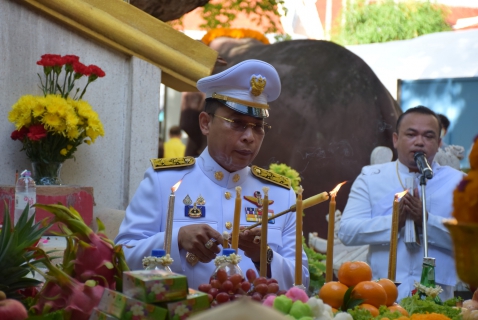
column 193, row 238
column 251, row 249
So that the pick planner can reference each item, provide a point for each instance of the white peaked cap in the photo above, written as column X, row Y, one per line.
column 246, row 87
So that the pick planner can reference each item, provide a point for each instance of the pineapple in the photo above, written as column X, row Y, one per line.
column 16, row 255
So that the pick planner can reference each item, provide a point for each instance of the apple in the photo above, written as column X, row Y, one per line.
column 12, row 309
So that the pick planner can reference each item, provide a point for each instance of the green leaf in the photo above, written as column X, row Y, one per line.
column 349, row 301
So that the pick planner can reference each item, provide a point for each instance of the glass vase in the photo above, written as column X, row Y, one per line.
column 46, row 174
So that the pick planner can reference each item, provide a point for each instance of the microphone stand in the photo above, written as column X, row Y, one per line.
column 427, row 278
column 423, row 183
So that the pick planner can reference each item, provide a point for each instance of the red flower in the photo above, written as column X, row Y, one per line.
column 37, row 132
column 97, row 71
column 70, row 59
column 81, row 69
column 51, row 60
column 19, row 134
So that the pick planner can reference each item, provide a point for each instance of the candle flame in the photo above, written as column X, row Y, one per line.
column 333, row 193
column 399, row 195
column 176, row 186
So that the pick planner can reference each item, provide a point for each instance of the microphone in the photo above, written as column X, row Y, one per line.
column 423, row 165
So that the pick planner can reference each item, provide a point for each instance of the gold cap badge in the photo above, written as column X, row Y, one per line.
column 258, row 83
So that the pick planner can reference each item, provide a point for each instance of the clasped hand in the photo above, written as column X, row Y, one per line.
column 410, row 206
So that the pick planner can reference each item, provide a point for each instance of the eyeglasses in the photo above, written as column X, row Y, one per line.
column 241, row 126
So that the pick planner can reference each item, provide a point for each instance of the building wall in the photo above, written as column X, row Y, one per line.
column 126, row 99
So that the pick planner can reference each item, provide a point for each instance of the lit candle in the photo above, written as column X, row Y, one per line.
column 264, row 222
column 392, row 258
column 329, row 262
column 237, row 220
column 298, row 238
column 169, row 222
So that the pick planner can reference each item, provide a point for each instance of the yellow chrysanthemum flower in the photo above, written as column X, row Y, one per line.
column 73, row 133
column 95, row 124
column 71, row 120
column 69, row 147
column 53, row 122
column 13, row 115
column 56, row 104
column 92, row 134
column 64, row 152
column 39, row 108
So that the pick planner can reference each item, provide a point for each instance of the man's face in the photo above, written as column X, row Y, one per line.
column 233, row 149
column 417, row 132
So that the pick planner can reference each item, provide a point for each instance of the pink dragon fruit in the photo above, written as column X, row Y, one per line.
column 89, row 255
column 62, row 292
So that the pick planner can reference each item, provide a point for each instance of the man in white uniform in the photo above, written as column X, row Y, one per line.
column 367, row 217
column 233, row 121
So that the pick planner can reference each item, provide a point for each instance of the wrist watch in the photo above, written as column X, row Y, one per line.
column 269, row 255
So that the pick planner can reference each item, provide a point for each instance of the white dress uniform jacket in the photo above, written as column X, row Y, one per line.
column 367, row 219
column 146, row 215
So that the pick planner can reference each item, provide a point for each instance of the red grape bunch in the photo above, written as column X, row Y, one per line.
column 224, row 287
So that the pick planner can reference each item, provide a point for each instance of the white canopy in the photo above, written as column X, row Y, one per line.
column 452, row 54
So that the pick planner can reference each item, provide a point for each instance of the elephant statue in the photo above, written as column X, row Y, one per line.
column 332, row 112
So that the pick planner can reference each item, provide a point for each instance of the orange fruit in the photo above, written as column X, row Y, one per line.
column 371, row 292
column 352, row 272
column 335, row 310
column 390, row 289
column 374, row 311
column 332, row 293
column 399, row 308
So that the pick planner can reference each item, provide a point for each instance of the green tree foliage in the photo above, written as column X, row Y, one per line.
column 388, row 20
column 220, row 14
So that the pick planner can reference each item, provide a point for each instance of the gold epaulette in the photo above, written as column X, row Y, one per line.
column 166, row 163
column 271, row 177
